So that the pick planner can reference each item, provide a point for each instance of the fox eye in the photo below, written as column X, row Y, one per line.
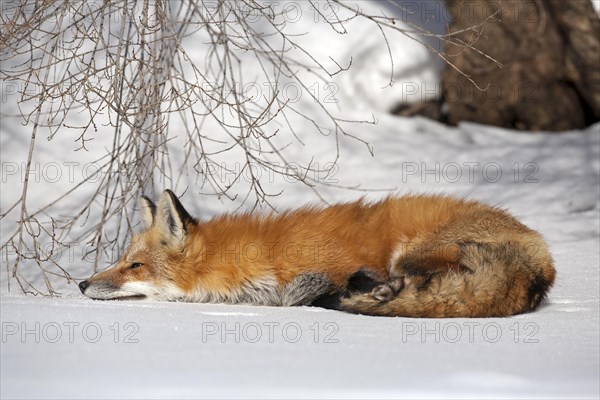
column 135, row 265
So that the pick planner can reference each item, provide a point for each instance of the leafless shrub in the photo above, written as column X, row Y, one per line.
column 94, row 67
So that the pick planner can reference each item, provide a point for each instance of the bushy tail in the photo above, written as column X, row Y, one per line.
column 501, row 279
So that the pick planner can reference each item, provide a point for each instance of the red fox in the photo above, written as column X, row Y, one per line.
column 410, row 256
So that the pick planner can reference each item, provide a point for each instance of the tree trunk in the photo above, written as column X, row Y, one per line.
column 550, row 55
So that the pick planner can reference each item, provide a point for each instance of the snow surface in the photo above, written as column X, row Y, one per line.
column 73, row 347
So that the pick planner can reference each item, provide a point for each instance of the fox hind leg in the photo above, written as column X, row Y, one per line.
column 417, row 267
column 386, row 291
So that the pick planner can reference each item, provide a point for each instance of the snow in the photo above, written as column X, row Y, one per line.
column 73, row 347
column 217, row 351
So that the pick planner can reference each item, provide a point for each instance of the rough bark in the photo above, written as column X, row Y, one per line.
column 550, row 56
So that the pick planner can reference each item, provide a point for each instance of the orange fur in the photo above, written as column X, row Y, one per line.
column 419, row 242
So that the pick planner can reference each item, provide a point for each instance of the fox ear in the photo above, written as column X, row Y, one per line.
column 171, row 219
column 148, row 211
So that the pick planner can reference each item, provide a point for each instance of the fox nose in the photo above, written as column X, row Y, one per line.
column 83, row 285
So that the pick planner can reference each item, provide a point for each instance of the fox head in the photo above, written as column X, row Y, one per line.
column 148, row 268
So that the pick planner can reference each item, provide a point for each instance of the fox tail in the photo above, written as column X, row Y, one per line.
column 501, row 279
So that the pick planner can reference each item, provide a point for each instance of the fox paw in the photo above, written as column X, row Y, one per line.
column 387, row 291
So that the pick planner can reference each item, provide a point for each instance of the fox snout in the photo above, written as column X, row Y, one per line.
column 83, row 285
